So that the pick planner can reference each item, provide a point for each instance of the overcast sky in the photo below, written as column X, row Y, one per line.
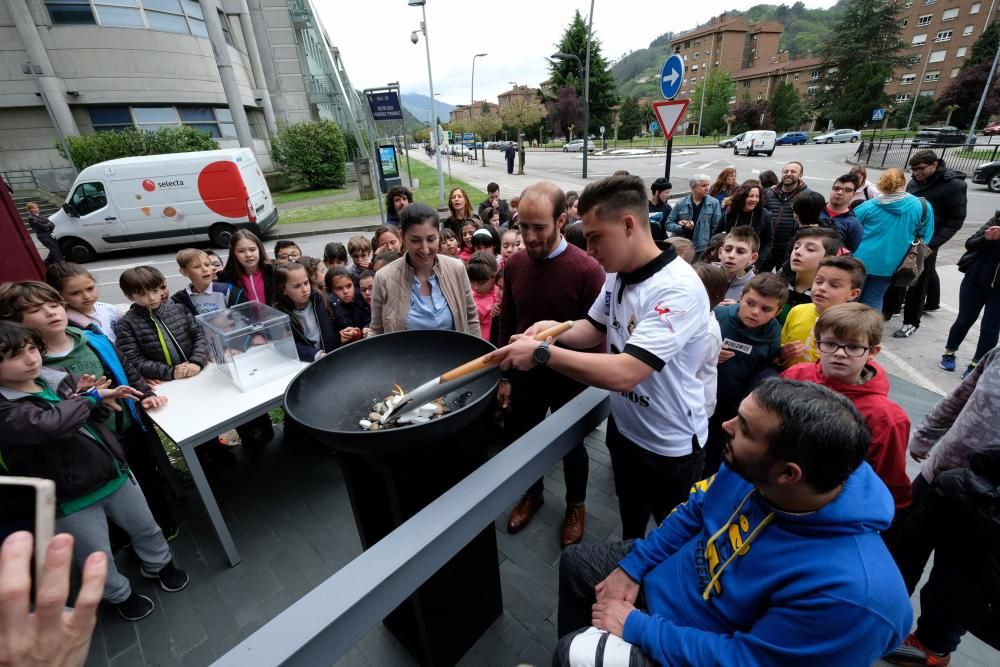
column 374, row 37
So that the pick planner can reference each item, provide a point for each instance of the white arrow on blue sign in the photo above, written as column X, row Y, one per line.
column 671, row 76
column 878, row 114
column 654, row 126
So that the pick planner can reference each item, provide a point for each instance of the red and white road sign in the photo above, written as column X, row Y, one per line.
column 669, row 113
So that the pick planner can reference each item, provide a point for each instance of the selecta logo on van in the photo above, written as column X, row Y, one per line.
column 149, row 185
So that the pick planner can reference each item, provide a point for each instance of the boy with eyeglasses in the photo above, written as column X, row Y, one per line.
column 838, row 213
column 848, row 338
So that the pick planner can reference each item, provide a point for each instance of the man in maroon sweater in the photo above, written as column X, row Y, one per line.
column 550, row 280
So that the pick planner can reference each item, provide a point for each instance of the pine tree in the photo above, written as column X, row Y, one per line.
column 603, row 89
column 861, row 53
column 784, row 107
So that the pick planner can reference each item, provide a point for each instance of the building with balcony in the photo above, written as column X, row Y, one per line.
column 73, row 67
column 757, row 84
column 937, row 36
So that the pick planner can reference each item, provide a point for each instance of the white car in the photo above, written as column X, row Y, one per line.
column 576, row 146
column 840, row 136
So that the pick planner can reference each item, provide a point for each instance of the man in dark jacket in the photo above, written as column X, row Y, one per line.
column 43, row 227
column 493, row 201
column 945, row 190
column 659, row 209
column 778, row 200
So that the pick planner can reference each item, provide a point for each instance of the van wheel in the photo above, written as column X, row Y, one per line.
column 77, row 250
column 769, row 153
column 221, row 235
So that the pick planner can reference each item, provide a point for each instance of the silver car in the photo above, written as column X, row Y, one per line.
column 839, row 136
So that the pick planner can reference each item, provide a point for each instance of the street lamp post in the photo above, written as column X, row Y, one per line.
column 970, row 141
column 472, row 102
column 586, row 96
column 430, row 82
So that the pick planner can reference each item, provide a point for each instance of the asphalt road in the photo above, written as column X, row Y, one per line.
column 914, row 358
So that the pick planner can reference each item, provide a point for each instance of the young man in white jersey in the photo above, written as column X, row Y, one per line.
column 654, row 311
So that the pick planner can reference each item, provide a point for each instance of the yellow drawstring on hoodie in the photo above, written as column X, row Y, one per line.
column 743, row 548
column 159, row 334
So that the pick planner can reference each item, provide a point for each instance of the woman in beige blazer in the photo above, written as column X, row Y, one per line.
column 422, row 289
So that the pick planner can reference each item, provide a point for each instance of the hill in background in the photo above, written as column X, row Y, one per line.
column 420, row 106
column 637, row 73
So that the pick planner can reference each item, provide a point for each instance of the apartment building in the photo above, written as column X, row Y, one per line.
column 517, row 94
column 729, row 43
column 938, row 35
column 464, row 112
column 757, row 84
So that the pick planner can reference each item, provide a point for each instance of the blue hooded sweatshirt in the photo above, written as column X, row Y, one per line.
column 731, row 580
column 889, row 224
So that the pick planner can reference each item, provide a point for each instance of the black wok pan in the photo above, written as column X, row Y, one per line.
column 332, row 395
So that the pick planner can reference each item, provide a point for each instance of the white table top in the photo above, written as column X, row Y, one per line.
column 209, row 404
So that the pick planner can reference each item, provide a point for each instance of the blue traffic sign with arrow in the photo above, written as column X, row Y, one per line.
column 671, row 76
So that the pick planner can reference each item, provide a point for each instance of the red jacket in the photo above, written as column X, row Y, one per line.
column 888, row 423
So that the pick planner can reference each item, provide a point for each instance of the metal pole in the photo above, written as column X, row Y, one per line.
column 227, row 73
column 670, row 150
column 701, row 107
column 971, row 139
column 586, row 91
column 916, row 96
column 472, row 103
column 402, row 125
column 434, row 125
column 373, row 171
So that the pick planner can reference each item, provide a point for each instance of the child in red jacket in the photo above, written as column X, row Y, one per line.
column 847, row 338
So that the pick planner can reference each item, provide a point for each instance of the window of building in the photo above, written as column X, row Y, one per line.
column 926, row 93
column 812, row 89
column 912, row 60
column 746, row 84
column 974, row 9
column 937, row 56
column 685, row 57
column 888, row 79
column 902, row 97
column 224, row 20
column 904, row 22
column 932, row 76
column 697, row 43
column 105, row 119
column 177, row 16
column 217, row 121
column 961, row 52
column 694, row 68
column 929, row 2
column 925, row 19
column 943, row 36
column 795, row 77
column 950, row 14
column 967, row 30
column 760, row 96
column 954, row 72
column 908, row 4
column 919, row 39
column 696, row 55
column 687, row 44
column 907, row 79
column 814, row 74
column 70, row 12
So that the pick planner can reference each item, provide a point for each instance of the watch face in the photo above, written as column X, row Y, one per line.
column 541, row 355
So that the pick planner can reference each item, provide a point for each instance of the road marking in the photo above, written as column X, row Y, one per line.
column 707, row 164
column 115, row 282
column 122, row 267
column 682, row 164
column 818, row 178
column 915, row 376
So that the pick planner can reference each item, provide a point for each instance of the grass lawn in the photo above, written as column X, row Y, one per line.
column 985, row 154
column 354, row 208
column 299, row 195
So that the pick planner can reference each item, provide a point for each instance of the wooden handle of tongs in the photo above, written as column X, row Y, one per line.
column 484, row 362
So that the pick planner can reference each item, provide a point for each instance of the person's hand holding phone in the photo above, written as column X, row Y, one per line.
column 49, row 636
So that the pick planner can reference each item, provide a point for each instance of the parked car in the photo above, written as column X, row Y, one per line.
column 503, row 145
column 755, row 142
column 989, row 175
column 731, row 141
column 839, row 136
column 792, row 139
column 576, row 146
column 992, row 128
column 945, row 135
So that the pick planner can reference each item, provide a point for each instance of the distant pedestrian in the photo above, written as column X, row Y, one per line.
column 509, row 153
column 43, row 227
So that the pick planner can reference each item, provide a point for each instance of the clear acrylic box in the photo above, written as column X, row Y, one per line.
column 251, row 343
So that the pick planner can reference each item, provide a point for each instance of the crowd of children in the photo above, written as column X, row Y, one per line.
column 76, row 370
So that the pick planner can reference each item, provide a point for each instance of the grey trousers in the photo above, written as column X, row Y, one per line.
column 126, row 507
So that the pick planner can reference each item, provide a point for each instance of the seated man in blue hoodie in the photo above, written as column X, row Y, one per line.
column 776, row 560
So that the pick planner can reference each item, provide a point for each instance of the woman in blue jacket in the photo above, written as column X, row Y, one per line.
column 695, row 216
column 890, row 222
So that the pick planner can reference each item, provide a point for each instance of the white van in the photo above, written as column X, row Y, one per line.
column 152, row 200
column 755, row 142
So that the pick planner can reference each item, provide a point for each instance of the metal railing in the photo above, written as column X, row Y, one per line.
column 897, row 153
column 330, row 619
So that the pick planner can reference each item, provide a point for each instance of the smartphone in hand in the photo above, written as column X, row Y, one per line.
column 29, row 503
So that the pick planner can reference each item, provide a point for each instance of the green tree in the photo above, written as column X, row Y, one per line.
column 750, row 116
column 921, row 114
column 130, row 142
column 861, row 53
column 522, row 115
column 313, row 153
column 716, row 88
column 603, row 88
column 630, row 118
column 985, row 47
column 784, row 107
column 966, row 89
column 486, row 125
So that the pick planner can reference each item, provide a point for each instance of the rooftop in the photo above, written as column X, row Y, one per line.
column 287, row 508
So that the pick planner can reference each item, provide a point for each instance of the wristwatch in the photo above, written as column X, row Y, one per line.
column 542, row 354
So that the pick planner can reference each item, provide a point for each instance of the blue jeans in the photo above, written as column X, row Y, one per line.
column 972, row 299
column 874, row 291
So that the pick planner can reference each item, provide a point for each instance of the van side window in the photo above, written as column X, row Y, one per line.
column 89, row 197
